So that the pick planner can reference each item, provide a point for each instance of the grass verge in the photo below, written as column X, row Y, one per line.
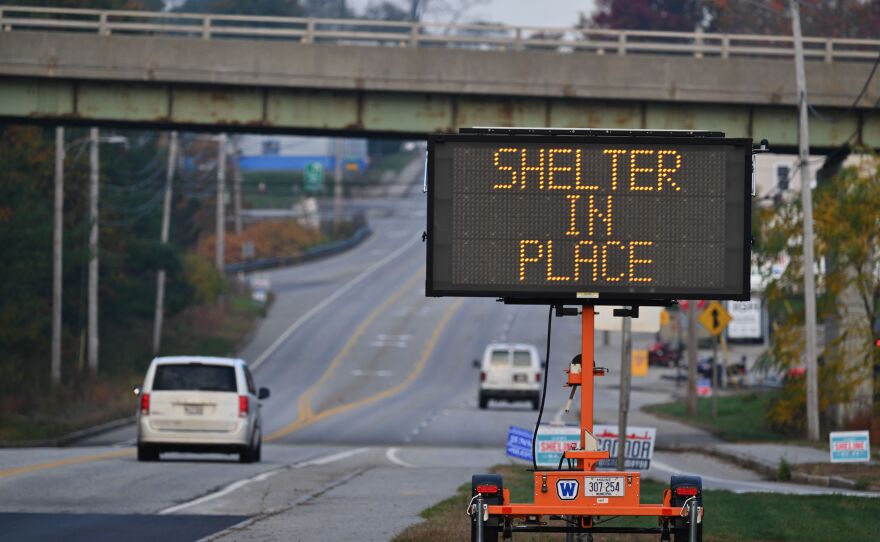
column 729, row 516
column 741, row 417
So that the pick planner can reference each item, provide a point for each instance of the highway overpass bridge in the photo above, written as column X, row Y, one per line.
column 270, row 74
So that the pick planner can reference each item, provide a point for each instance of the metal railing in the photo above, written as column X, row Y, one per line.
column 428, row 34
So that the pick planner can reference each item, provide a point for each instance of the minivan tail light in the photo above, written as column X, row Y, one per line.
column 145, row 404
column 243, row 406
column 537, row 377
column 482, row 376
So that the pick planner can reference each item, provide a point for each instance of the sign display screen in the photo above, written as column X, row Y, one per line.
column 575, row 217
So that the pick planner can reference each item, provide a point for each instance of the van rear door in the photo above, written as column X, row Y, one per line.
column 525, row 368
column 497, row 368
column 194, row 397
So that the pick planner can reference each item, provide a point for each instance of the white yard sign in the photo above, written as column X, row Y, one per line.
column 747, row 322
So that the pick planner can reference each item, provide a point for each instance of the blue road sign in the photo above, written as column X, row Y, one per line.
column 519, row 443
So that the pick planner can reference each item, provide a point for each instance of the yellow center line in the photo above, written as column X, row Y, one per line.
column 27, row 469
column 305, row 400
column 410, row 378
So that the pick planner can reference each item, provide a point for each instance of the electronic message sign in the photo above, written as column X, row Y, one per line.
column 574, row 217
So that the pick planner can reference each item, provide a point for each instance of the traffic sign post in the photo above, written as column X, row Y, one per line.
column 588, row 218
column 715, row 318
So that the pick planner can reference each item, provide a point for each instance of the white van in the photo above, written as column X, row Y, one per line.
column 510, row 372
column 199, row 404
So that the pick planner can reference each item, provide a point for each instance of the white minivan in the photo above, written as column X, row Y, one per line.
column 199, row 404
column 510, row 372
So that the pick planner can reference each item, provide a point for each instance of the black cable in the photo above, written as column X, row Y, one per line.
column 543, row 393
column 867, row 82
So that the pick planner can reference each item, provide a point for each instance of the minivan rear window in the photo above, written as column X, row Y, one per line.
column 197, row 377
column 498, row 357
column 522, row 358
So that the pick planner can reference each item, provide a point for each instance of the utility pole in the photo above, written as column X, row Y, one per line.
column 93, row 253
column 236, row 185
column 219, row 249
column 166, row 226
column 337, row 187
column 692, row 357
column 625, row 381
column 715, row 386
column 57, row 253
column 807, row 204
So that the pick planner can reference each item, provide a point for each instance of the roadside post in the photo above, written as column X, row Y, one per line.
column 715, row 318
column 560, row 218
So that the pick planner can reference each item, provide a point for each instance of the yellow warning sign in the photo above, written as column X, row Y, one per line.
column 640, row 363
column 715, row 318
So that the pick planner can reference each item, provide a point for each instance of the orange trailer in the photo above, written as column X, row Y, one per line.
column 578, row 501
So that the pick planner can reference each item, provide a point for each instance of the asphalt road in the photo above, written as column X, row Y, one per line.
column 373, row 414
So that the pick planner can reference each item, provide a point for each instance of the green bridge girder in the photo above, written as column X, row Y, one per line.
column 238, row 108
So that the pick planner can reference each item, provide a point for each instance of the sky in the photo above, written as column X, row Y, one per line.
column 549, row 13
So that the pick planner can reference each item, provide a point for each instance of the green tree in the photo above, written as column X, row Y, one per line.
column 847, row 227
column 847, row 217
column 25, row 245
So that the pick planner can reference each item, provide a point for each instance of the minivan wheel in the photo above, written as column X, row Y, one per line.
column 146, row 452
column 484, row 402
column 251, row 453
column 536, row 403
column 246, row 455
column 258, row 454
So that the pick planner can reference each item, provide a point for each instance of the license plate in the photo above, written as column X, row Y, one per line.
column 603, row 486
column 192, row 409
column 519, row 378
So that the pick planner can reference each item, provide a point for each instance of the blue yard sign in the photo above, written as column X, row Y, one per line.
column 519, row 443
column 849, row 446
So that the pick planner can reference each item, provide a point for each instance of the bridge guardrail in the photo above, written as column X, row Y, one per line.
column 429, row 34
column 322, row 251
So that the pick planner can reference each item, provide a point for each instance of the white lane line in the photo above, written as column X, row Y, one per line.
column 225, row 491
column 391, row 455
column 259, row 478
column 328, row 300
column 380, row 372
column 330, row 458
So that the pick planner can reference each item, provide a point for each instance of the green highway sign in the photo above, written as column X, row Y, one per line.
column 313, row 177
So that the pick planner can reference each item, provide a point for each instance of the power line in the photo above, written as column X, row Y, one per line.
column 852, row 107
